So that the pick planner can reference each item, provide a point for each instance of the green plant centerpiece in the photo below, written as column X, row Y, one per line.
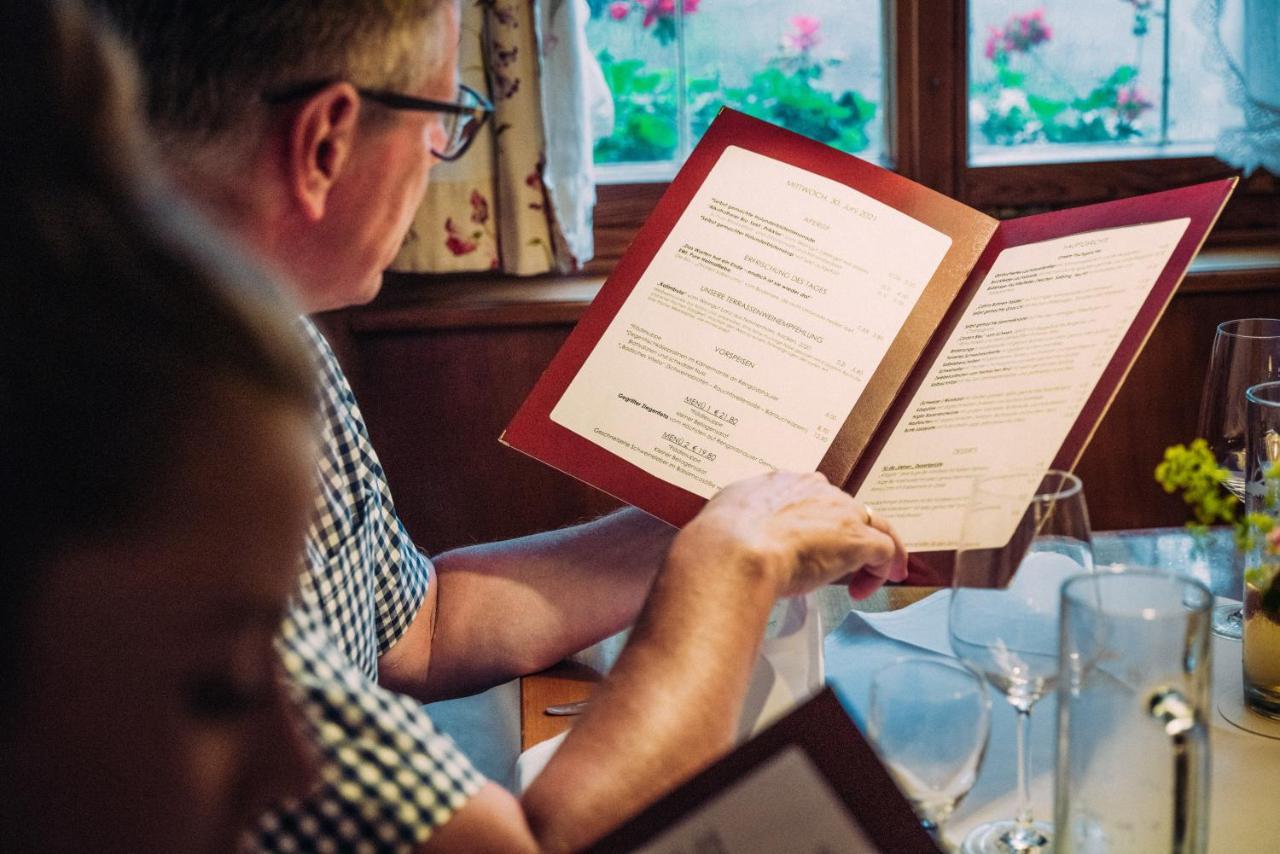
column 1192, row 472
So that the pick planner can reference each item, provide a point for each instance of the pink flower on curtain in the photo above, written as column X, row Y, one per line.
column 504, row 56
column 505, row 15
column 479, row 208
column 503, row 86
column 455, row 241
column 804, row 33
column 534, row 182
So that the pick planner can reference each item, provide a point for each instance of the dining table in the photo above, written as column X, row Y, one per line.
column 860, row 637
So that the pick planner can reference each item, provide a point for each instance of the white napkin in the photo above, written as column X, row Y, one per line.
column 789, row 669
column 865, row 642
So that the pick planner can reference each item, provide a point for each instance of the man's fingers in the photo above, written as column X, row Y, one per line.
column 863, row 584
column 884, row 560
column 871, row 577
column 898, row 571
column 878, row 548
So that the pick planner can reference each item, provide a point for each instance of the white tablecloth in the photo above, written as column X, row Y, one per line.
column 1244, row 815
column 1244, row 812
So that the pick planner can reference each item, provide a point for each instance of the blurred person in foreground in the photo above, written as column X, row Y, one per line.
column 309, row 130
column 156, row 451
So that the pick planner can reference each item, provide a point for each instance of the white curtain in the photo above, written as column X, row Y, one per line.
column 1244, row 37
column 577, row 108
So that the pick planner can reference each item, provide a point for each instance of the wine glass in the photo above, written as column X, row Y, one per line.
column 1024, row 534
column 929, row 720
column 1245, row 352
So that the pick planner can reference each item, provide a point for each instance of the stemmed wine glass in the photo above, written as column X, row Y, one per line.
column 1245, row 352
column 929, row 721
column 1023, row 535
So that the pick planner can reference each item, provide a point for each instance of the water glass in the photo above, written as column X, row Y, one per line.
column 929, row 720
column 1245, row 352
column 1024, row 534
column 1133, row 707
column 1261, row 641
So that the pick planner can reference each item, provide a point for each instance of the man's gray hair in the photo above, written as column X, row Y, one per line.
column 208, row 63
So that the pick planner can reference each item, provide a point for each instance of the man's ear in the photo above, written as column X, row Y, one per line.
column 319, row 145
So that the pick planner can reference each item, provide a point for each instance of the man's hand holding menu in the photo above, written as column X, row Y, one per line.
column 791, row 307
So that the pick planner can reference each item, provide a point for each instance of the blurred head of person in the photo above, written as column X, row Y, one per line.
column 274, row 115
column 155, row 459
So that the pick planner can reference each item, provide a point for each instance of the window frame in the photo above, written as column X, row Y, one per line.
column 926, row 121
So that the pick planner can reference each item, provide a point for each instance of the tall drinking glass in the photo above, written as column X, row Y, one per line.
column 1133, row 713
column 1245, row 352
column 1023, row 536
column 1261, row 657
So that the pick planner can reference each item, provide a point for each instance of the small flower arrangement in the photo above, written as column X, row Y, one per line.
column 1192, row 471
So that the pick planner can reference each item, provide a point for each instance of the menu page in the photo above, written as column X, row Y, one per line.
column 1013, row 376
column 748, row 339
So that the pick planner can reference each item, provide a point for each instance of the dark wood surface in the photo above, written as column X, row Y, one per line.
column 436, row 401
column 567, row 682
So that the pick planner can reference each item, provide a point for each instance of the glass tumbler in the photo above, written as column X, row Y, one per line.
column 1133, row 707
column 1261, row 641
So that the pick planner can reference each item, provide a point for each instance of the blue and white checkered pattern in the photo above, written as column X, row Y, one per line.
column 388, row 777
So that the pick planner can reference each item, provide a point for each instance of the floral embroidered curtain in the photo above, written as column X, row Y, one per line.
column 520, row 200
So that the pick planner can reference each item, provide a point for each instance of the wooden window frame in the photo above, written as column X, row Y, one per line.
column 927, row 129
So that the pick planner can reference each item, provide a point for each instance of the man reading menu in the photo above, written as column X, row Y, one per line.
column 309, row 131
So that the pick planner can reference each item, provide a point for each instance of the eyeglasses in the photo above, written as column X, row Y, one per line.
column 463, row 118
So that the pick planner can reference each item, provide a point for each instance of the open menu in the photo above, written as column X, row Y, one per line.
column 789, row 306
column 809, row 783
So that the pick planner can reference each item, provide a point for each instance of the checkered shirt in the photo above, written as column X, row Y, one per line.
column 388, row 777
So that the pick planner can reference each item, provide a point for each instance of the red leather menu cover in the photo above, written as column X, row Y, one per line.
column 976, row 242
column 843, row 761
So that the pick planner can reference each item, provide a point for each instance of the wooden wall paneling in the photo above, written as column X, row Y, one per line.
column 436, row 402
column 926, row 97
column 1158, row 406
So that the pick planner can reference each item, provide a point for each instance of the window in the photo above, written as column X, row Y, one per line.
column 815, row 67
column 1064, row 80
column 1008, row 106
